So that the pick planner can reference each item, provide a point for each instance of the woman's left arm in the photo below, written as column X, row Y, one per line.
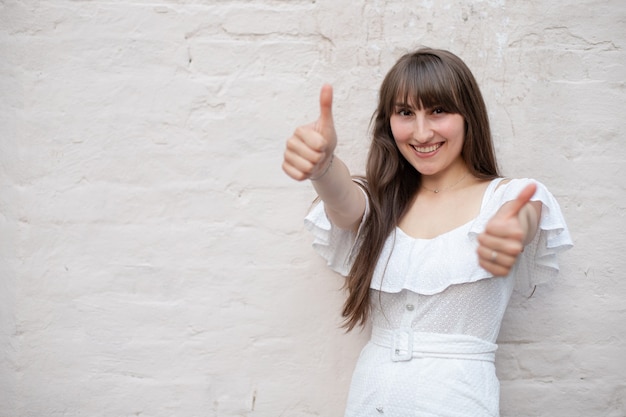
column 508, row 231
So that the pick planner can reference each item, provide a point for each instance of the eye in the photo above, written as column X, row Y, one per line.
column 403, row 111
column 438, row 110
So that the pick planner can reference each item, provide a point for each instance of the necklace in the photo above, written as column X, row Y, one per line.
column 438, row 190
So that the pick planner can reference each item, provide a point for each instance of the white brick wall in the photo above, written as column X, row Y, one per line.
column 152, row 256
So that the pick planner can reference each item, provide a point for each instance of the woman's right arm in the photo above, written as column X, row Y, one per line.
column 310, row 155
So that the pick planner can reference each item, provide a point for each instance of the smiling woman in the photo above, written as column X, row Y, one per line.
column 432, row 244
column 431, row 140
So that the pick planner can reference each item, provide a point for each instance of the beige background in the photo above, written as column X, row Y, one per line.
column 153, row 260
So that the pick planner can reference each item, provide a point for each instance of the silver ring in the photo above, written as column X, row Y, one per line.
column 494, row 255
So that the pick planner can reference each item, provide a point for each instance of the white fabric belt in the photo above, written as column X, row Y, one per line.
column 406, row 344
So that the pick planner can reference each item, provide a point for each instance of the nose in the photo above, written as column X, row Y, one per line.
column 422, row 130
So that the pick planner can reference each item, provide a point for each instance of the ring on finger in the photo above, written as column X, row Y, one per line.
column 494, row 255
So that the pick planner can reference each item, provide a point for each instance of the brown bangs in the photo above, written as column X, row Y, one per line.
column 424, row 82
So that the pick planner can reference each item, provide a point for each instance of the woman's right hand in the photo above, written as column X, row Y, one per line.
column 310, row 149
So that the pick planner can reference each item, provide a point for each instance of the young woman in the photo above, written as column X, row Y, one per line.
column 432, row 242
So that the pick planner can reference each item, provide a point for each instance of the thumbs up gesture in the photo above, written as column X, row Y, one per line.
column 310, row 148
column 507, row 232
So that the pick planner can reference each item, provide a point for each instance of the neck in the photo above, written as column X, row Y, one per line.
column 448, row 182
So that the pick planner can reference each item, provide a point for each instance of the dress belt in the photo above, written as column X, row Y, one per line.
column 406, row 344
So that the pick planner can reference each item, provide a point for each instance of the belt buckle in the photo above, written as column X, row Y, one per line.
column 402, row 345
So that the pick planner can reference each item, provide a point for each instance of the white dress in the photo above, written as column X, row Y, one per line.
column 436, row 313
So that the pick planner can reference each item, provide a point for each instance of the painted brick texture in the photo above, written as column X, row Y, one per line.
column 153, row 260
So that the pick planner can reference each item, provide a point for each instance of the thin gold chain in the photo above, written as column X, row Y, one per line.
column 438, row 190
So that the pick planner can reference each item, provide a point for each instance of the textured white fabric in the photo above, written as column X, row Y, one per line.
column 425, row 385
column 436, row 313
column 332, row 243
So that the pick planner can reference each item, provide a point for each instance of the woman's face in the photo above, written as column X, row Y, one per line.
column 431, row 139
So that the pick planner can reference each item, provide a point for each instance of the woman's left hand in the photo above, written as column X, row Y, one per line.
column 506, row 233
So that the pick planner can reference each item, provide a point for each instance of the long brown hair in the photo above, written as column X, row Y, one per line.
column 428, row 77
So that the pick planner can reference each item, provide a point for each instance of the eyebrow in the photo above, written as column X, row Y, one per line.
column 407, row 105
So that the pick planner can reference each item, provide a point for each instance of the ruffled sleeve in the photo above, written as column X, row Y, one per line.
column 337, row 246
column 538, row 263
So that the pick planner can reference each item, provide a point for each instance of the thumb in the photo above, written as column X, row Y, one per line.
column 326, row 108
column 524, row 197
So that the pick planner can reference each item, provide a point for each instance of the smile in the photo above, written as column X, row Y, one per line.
column 427, row 149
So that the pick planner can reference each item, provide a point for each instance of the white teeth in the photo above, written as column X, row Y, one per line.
column 426, row 149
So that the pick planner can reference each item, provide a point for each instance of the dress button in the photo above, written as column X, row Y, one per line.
column 410, row 307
